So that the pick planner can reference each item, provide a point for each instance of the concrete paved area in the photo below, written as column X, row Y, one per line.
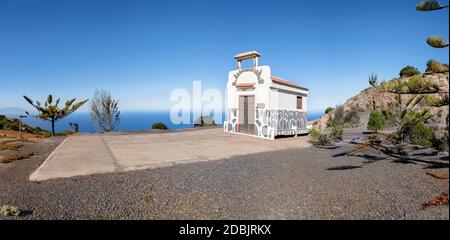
column 93, row 154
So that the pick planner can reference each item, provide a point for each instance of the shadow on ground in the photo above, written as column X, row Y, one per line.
column 373, row 154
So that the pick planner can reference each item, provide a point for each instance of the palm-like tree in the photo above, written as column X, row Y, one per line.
column 50, row 111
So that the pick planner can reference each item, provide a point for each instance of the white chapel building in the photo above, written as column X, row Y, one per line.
column 263, row 105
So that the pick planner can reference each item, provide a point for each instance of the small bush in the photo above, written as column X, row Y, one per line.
column 436, row 67
column 336, row 132
column 318, row 138
column 159, row 125
column 422, row 135
column 323, row 140
column 376, row 121
column 409, row 71
column 7, row 210
column 328, row 110
column 204, row 121
column 314, row 133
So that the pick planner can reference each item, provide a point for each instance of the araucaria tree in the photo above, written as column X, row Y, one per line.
column 436, row 42
column 433, row 5
column 105, row 111
column 403, row 115
column 51, row 111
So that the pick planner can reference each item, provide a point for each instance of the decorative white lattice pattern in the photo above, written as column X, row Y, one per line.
column 230, row 124
column 270, row 123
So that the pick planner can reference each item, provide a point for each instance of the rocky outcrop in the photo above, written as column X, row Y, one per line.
column 372, row 97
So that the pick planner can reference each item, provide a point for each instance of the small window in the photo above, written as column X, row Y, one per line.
column 299, row 102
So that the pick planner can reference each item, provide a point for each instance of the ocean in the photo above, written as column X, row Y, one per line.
column 129, row 121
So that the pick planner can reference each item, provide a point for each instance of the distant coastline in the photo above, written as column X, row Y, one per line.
column 130, row 121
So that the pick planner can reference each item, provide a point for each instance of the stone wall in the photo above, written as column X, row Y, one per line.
column 271, row 122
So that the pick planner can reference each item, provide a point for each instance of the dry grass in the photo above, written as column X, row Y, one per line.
column 15, row 134
column 15, row 156
column 362, row 147
column 439, row 175
column 440, row 201
column 7, row 145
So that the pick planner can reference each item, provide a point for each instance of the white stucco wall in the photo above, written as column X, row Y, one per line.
column 281, row 100
column 260, row 91
column 271, row 95
column 286, row 101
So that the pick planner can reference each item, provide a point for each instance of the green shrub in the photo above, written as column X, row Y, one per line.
column 314, row 133
column 318, row 138
column 376, row 121
column 329, row 109
column 323, row 140
column 336, row 132
column 159, row 125
column 436, row 67
column 7, row 210
column 409, row 71
column 9, row 124
column 422, row 135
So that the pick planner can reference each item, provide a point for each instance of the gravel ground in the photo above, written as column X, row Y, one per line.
column 292, row 184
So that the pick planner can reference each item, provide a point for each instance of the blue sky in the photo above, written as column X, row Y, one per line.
column 141, row 50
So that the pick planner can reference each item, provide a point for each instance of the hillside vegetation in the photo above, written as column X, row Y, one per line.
column 373, row 98
column 14, row 124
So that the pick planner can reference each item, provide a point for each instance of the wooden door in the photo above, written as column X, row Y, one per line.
column 247, row 114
